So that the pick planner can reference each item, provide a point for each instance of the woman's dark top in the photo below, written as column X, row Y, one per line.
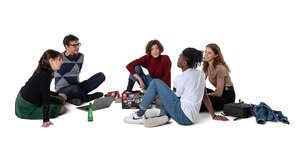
column 37, row 91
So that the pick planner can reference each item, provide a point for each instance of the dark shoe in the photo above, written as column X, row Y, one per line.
column 76, row 102
column 94, row 96
column 130, row 85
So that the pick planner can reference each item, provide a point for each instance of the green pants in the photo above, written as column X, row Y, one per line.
column 27, row 110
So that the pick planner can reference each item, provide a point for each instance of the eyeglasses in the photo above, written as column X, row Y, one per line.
column 74, row 45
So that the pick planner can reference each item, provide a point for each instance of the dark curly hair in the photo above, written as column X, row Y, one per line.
column 193, row 57
column 154, row 42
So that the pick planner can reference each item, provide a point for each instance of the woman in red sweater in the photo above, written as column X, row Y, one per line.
column 158, row 66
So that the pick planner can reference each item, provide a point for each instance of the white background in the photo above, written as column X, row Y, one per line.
column 259, row 40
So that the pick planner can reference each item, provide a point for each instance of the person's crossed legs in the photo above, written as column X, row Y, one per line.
column 78, row 93
column 146, row 78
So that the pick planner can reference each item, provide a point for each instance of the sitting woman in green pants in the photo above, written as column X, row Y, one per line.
column 35, row 100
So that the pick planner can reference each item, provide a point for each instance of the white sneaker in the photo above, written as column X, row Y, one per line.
column 134, row 119
column 150, row 113
column 156, row 121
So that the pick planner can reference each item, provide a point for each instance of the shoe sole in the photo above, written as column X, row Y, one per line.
column 76, row 102
column 156, row 121
column 126, row 120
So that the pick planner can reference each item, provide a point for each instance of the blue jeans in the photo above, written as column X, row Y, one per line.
column 171, row 103
column 146, row 78
column 82, row 89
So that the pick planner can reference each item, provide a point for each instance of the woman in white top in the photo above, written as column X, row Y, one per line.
column 184, row 102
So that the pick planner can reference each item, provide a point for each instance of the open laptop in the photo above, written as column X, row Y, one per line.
column 99, row 103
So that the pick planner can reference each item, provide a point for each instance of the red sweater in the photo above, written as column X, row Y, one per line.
column 159, row 68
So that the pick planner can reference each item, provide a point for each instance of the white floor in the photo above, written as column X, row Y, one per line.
column 108, row 128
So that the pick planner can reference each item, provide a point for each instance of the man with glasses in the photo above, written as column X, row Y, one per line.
column 67, row 77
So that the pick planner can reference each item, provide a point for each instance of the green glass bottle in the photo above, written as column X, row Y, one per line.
column 90, row 113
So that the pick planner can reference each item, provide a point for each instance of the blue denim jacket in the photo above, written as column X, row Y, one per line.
column 264, row 113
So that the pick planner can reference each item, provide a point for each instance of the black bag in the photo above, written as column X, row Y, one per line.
column 238, row 110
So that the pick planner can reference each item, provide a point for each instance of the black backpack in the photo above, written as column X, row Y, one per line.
column 238, row 110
